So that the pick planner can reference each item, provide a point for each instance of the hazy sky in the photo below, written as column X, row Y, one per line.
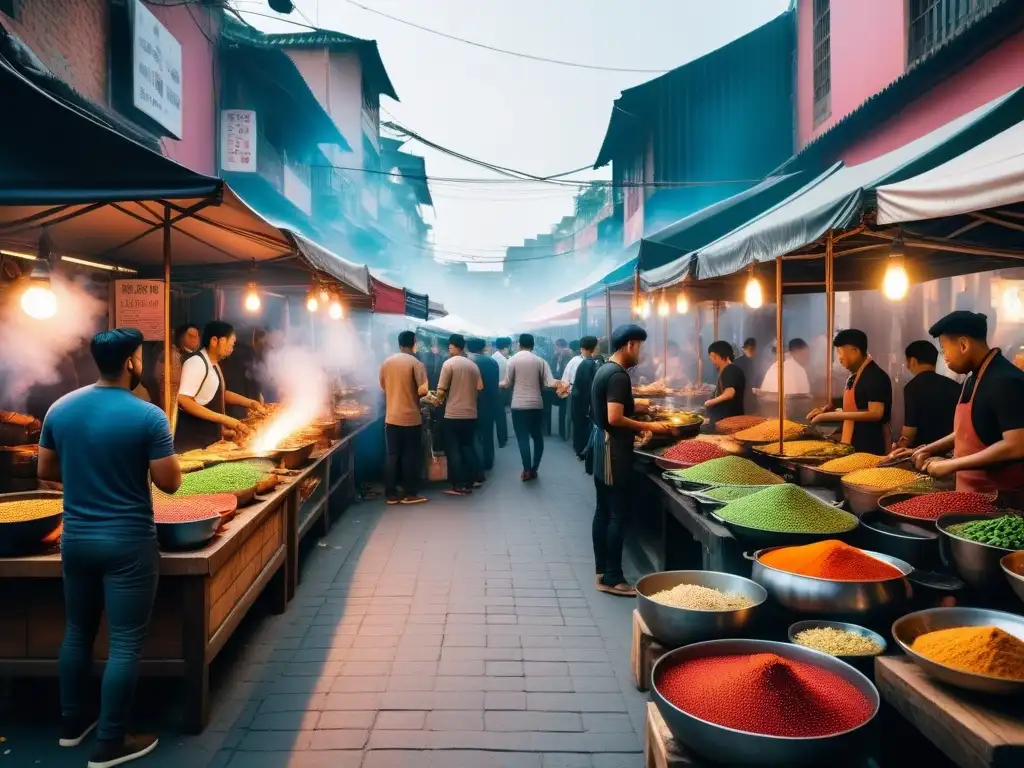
column 533, row 116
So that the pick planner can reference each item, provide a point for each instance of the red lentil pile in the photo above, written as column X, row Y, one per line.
column 734, row 424
column 693, row 452
column 183, row 509
column 767, row 694
column 931, row 506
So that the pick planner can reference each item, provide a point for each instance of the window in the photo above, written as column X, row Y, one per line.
column 822, row 61
column 934, row 22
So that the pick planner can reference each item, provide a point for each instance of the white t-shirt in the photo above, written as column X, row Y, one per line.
column 193, row 371
column 502, row 362
column 794, row 378
column 569, row 374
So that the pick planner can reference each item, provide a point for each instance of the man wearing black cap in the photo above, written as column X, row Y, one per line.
column 461, row 383
column 867, row 400
column 612, row 443
column 988, row 429
column 488, row 404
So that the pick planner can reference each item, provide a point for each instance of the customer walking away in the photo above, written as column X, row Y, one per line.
column 488, row 404
column 612, row 445
column 529, row 376
column 104, row 445
column 579, row 379
column 501, row 354
column 404, row 381
column 460, row 381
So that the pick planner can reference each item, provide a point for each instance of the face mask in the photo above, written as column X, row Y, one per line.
column 136, row 378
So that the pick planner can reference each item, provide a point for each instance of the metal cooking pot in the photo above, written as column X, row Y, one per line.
column 187, row 535
column 915, row 544
column 976, row 563
column 807, row 594
column 26, row 536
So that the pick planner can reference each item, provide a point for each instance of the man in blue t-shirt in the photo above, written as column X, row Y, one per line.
column 104, row 444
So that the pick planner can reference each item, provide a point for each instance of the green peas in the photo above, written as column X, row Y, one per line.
column 1005, row 532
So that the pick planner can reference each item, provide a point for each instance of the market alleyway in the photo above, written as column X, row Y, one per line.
column 463, row 633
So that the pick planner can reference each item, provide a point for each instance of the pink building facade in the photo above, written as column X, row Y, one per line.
column 850, row 50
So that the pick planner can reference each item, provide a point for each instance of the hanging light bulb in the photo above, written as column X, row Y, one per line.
column 312, row 301
column 682, row 304
column 645, row 308
column 325, row 296
column 663, row 308
column 252, row 298
column 896, row 283
column 38, row 301
column 335, row 310
column 753, row 296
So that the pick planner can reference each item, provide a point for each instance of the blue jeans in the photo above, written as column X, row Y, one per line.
column 529, row 424
column 120, row 576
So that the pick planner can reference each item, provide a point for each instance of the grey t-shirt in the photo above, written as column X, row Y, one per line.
column 460, row 376
column 528, row 375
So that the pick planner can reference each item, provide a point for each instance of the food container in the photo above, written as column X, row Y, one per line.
column 295, row 457
column 886, row 502
column 1013, row 567
column 728, row 746
column 908, row 628
column 756, row 538
column 27, row 536
column 809, row 475
column 824, row 597
column 861, row 499
column 678, row 626
column 863, row 663
column 976, row 563
column 19, row 461
column 190, row 534
column 912, row 542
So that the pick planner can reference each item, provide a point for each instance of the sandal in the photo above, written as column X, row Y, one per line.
column 619, row 590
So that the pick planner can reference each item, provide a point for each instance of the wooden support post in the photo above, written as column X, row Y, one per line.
column 195, row 632
column 779, row 350
column 645, row 651
column 167, row 397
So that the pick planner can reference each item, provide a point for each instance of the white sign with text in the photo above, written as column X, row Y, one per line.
column 140, row 304
column 156, row 63
column 238, row 140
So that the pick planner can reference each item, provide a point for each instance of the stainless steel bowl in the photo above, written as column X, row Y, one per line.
column 1013, row 567
column 889, row 500
column 757, row 538
column 861, row 500
column 679, row 626
column 807, row 594
column 916, row 544
column 729, row 746
column 863, row 663
column 807, row 475
column 977, row 564
column 187, row 535
column 908, row 628
column 26, row 536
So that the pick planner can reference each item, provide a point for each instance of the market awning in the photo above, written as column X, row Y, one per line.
column 838, row 197
column 388, row 299
column 610, row 273
column 664, row 256
column 355, row 275
column 989, row 176
column 436, row 309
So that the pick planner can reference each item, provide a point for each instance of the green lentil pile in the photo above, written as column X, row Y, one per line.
column 230, row 477
column 728, row 470
column 1004, row 532
column 787, row 509
column 731, row 492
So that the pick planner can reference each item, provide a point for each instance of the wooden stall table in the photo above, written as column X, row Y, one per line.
column 644, row 653
column 971, row 730
column 661, row 750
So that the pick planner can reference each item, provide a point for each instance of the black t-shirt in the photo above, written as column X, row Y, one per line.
column 998, row 407
column 612, row 385
column 874, row 386
column 929, row 406
column 731, row 376
column 583, row 385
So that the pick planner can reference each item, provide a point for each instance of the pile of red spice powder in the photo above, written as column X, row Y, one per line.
column 767, row 694
column 931, row 506
column 693, row 452
column 833, row 560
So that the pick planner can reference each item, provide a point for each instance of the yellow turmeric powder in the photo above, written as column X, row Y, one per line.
column 982, row 650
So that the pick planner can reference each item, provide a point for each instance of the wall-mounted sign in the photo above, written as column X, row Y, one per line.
column 238, row 140
column 140, row 304
column 156, row 62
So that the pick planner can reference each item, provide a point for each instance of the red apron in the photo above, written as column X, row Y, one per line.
column 850, row 405
column 966, row 442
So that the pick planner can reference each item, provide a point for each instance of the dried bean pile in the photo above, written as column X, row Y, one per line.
column 23, row 510
column 767, row 694
column 221, row 478
column 692, row 452
column 838, row 642
column 806, row 448
column 769, row 430
column 886, row 478
column 852, row 463
column 699, row 598
column 1004, row 532
column 787, row 508
column 728, row 470
column 732, row 424
column 931, row 506
column 732, row 492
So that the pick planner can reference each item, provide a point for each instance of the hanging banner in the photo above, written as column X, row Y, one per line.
column 140, row 304
column 238, row 140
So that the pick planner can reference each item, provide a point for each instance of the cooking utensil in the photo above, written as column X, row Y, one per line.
column 678, row 626
column 729, row 746
column 188, row 535
column 25, row 536
column 808, row 594
column 911, row 542
column 1013, row 567
column 863, row 663
column 908, row 628
column 294, row 457
column 976, row 563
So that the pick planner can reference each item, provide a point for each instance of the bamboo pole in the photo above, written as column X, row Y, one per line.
column 830, row 311
column 782, row 357
column 700, row 351
column 608, row 317
column 168, row 405
column 716, row 307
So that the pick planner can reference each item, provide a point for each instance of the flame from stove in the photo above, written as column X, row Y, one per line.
column 299, row 377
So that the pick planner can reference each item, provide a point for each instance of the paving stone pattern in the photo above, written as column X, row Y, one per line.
column 462, row 632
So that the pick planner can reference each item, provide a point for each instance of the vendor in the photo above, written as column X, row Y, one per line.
column 731, row 387
column 867, row 399
column 929, row 399
column 988, row 429
column 203, row 394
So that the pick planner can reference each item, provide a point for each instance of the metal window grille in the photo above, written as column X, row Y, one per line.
column 822, row 60
column 931, row 23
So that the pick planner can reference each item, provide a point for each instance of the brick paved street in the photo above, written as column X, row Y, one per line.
column 463, row 632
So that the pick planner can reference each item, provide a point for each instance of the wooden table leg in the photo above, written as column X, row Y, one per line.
column 195, row 629
column 291, row 543
column 325, row 520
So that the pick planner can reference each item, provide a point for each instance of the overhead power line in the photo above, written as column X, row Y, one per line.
column 505, row 51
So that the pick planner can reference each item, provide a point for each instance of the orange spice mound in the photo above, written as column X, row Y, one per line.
column 981, row 650
column 832, row 560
